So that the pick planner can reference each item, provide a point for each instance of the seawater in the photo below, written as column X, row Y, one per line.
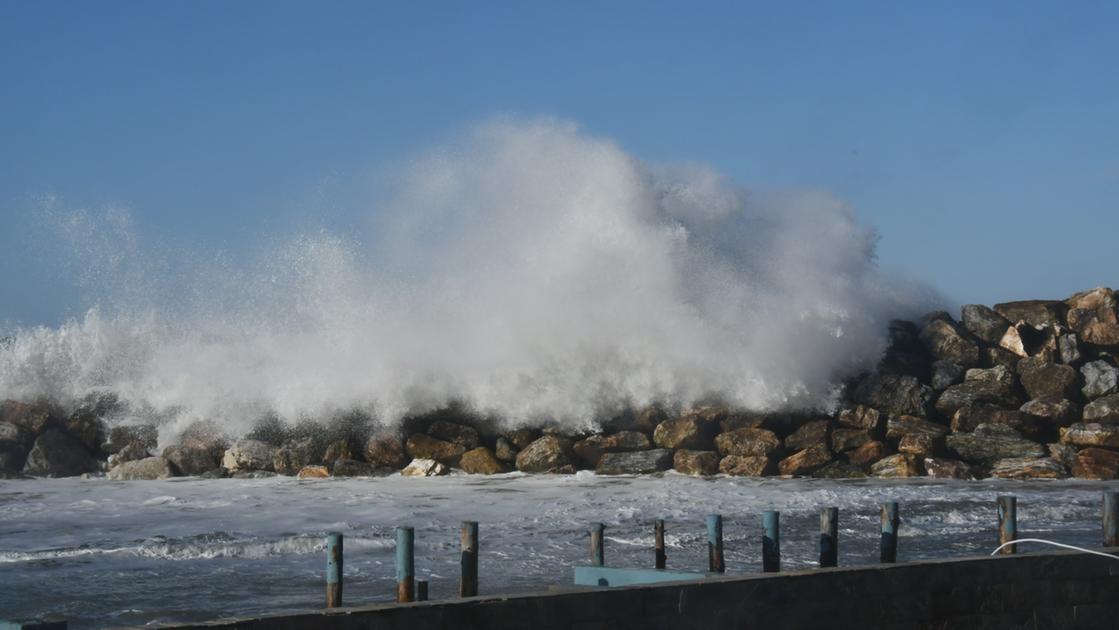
column 103, row 553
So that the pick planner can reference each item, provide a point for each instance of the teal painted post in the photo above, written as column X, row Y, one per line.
column 421, row 590
column 405, row 564
column 829, row 537
column 888, row 545
column 1111, row 519
column 333, row 570
column 659, row 557
column 715, row 563
column 598, row 553
column 1008, row 523
column 771, row 541
column 468, row 572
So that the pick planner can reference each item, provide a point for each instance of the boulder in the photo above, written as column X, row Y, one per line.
column 941, row 468
column 861, row 417
column 635, row 462
column 293, row 455
column 699, row 463
column 85, row 425
column 868, row 453
column 461, row 434
column 422, row 446
column 147, row 468
column 316, row 471
column 1104, row 409
column 1028, row 468
column 424, row 468
column 645, row 420
column 809, row 434
column 745, row 465
column 689, row 431
column 1094, row 316
column 591, row 448
column 248, row 454
column 520, row 438
column 33, row 419
column 920, row 444
column 895, row 466
column 894, row 394
column 944, row 339
column 57, row 454
column 967, row 418
column 343, row 467
column 1055, row 412
column 1036, row 313
column 896, row 428
column 12, row 458
column 990, row 357
column 548, row 454
column 973, row 393
column 385, row 451
column 760, row 442
column 1063, row 454
column 838, row 470
column 990, row 443
column 207, row 435
column 338, row 449
column 1096, row 463
column 1091, row 434
column 998, row 377
column 848, row 439
column 946, row 374
column 1068, row 350
column 190, row 460
column 504, row 450
column 806, row 461
column 12, row 435
column 1022, row 340
column 1100, row 379
column 984, row 323
column 1043, row 379
column 132, row 453
column 481, row 461
column 904, row 356
column 120, row 436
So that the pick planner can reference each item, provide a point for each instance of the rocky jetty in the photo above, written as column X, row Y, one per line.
column 1021, row 390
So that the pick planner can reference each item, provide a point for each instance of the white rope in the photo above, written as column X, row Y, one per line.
column 1055, row 544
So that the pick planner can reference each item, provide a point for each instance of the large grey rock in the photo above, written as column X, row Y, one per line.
column 984, row 323
column 896, row 428
column 996, row 377
column 131, row 453
column 1028, row 468
column 966, row 419
column 635, row 462
column 548, row 454
column 971, row 393
column 1100, row 379
column 147, row 468
column 1056, row 412
column 1068, row 350
column 945, row 339
column 1043, row 379
column 1094, row 315
column 895, row 395
column 1091, row 434
column 296, row 454
column 190, row 460
column 461, row 434
column 1037, row 313
column 1103, row 409
column 591, row 449
column 248, row 454
column 946, row 374
column 746, row 442
column 990, row 443
column 56, row 454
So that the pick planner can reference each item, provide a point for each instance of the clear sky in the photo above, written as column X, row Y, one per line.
column 980, row 138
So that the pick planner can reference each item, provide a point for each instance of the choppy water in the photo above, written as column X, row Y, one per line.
column 104, row 553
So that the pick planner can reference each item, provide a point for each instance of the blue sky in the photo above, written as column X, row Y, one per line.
column 980, row 139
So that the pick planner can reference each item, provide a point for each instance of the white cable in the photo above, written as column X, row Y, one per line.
column 1055, row 544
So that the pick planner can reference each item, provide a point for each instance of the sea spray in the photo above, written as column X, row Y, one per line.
column 527, row 269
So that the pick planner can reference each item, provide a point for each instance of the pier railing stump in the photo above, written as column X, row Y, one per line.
column 405, row 564
column 1008, row 523
column 771, row 541
column 333, row 570
column 829, row 537
column 715, row 562
column 468, row 580
column 598, row 553
column 888, row 544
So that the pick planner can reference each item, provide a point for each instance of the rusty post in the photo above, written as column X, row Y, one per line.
column 598, row 553
column 1008, row 523
column 658, row 544
column 829, row 537
column 888, row 545
column 468, row 573
column 333, row 570
column 405, row 564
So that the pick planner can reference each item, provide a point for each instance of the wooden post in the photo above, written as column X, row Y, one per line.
column 715, row 563
column 598, row 554
column 658, row 544
column 888, row 545
column 1008, row 523
column 333, row 570
column 421, row 590
column 1111, row 519
column 771, row 541
column 829, row 537
column 468, row 580
column 405, row 564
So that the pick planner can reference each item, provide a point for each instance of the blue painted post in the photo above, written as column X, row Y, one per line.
column 333, row 570
column 771, row 541
column 888, row 546
column 421, row 590
column 715, row 562
column 829, row 537
column 598, row 553
column 1111, row 519
column 468, row 566
column 405, row 564
column 659, row 556
column 1008, row 523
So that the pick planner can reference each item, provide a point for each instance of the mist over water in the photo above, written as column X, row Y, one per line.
column 527, row 269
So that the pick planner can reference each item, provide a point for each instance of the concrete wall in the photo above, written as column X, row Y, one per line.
column 1043, row 590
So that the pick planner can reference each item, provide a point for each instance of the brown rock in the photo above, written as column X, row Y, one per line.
column 699, row 463
column 1017, row 339
column 1094, row 315
column 481, row 461
column 336, row 450
column 991, row 442
column 966, row 419
column 970, row 393
column 894, row 394
column 505, row 451
column 990, row 357
column 868, row 453
column 896, row 428
column 294, row 455
column 520, row 438
column 1063, row 454
column 941, row 468
column 33, row 419
column 548, row 454
column 920, row 444
column 745, row 465
column 688, row 431
column 313, row 472
column 1056, row 412
column 806, row 461
column 461, row 434
column 422, row 446
column 861, row 417
column 945, row 339
column 385, row 451
column 1037, row 313
column 848, row 439
column 1043, row 379
column 592, row 448
column 894, row 466
column 246, row 454
column 1096, row 463
column 809, row 434
column 1028, row 468
column 648, row 418
column 1091, row 434
column 761, row 442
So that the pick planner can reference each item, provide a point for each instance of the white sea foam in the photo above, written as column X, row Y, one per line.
column 527, row 268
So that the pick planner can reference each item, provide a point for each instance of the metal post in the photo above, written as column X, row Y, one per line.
column 1111, row 519
column 468, row 580
column 333, row 570
column 421, row 590
column 598, row 554
column 888, row 546
column 1008, row 523
column 658, row 544
column 829, row 537
column 715, row 563
column 771, row 541
column 405, row 564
